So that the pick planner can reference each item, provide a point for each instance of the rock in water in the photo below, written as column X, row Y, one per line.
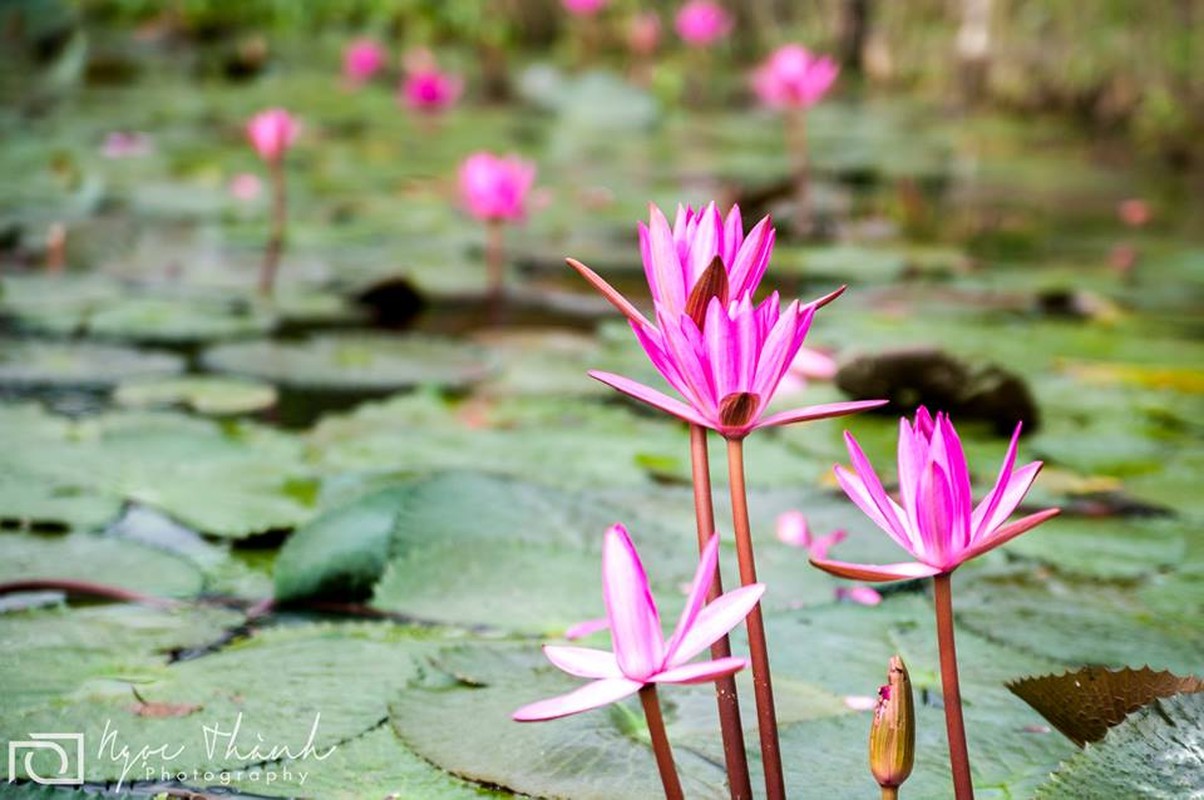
column 933, row 378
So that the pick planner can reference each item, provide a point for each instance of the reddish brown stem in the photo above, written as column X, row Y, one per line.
column 495, row 255
column 84, row 589
column 959, row 758
column 767, row 721
column 275, row 248
column 738, row 780
column 660, row 743
column 796, row 135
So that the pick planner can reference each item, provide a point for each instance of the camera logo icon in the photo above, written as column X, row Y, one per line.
column 41, row 751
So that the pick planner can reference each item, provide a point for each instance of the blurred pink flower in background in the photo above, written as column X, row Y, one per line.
column 644, row 33
column 1134, row 212
column 272, row 132
column 127, row 144
column 793, row 78
column 245, row 187
column 496, row 187
column 429, row 90
column 583, row 8
column 861, row 595
column 794, row 530
column 701, row 22
column 362, row 59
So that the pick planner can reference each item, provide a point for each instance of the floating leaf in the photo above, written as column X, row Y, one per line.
column 204, row 394
column 358, row 363
column 29, row 364
column 1084, row 704
column 1156, row 753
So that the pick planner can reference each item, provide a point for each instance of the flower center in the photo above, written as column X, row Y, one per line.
column 738, row 408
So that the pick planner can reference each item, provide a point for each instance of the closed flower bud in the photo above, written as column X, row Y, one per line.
column 893, row 732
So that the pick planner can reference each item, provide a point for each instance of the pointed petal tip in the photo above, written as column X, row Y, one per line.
column 875, row 573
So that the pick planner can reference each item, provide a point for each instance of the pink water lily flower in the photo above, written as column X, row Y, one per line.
column 641, row 654
column 272, row 132
column 680, row 261
column 495, row 187
column 793, row 78
column 702, row 22
column 728, row 367
column 362, row 59
column 935, row 519
column 430, row 90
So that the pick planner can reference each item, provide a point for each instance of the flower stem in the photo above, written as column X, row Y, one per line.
column 101, row 591
column 739, row 783
column 890, row 793
column 660, row 742
column 495, row 255
column 271, row 258
column 796, row 134
column 767, row 722
column 959, row 759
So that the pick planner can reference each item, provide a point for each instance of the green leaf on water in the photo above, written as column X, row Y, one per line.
column 1156, row 753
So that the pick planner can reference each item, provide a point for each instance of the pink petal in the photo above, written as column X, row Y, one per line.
column 876, row 573
column 862, row 595
column 651, row 396
column 584, row 662
column 887, row 509
column 819, row 412
column 586, row 628
column 702, row 671
column 822, row 544
column 616, row 299
column 704, row 244
column 663, row 265
column 777, row 353
column 703, row 576
column 1009, row 532
column 716, row 619
column 635, row 625
column 934, row 511
column 591, row 695
column 1011, row 496
column 792, row 529
column 752, row 259
column 855, row 488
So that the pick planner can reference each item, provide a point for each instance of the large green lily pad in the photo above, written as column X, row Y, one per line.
column 27, row 364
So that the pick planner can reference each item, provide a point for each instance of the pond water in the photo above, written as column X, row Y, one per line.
column 420, row 473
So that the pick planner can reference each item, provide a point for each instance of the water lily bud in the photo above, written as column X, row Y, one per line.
column 893, row 732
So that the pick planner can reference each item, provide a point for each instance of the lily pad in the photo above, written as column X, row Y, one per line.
column 31, row 364
column 359, row 363
column 212, row 395
column 179, row 320
column 88, row 557
column 1155, row 753
column 458, row 717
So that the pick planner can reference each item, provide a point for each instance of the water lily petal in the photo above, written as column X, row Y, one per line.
column 585, row 628
column 635, row 624
column 716, row 619
column 651, row 396
column 612, row 294
column 876, row 573
column 1011, row 496
column 1009, row 532
column 703, row 577
column 592, row 695
column 584, row 662
column 702, row 671
column 823, row 411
